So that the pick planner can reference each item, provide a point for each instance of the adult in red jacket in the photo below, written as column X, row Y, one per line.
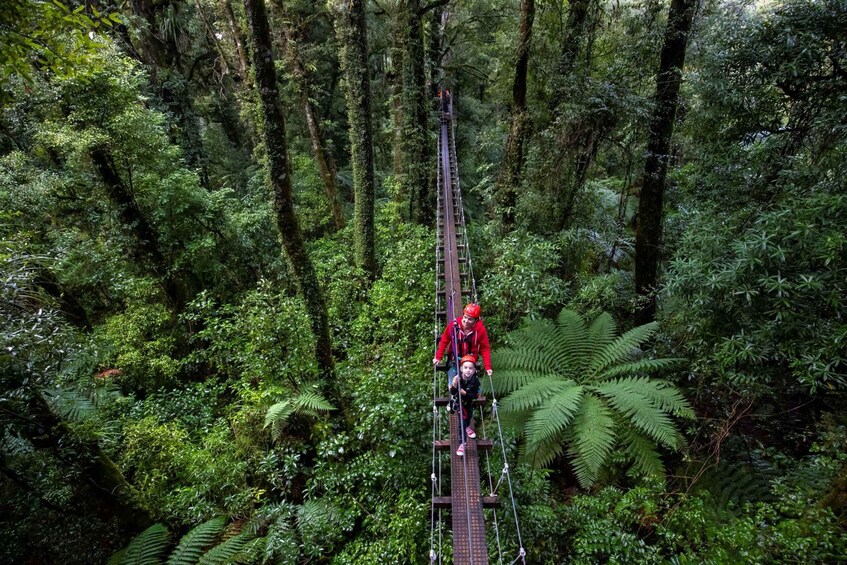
column 470, row 336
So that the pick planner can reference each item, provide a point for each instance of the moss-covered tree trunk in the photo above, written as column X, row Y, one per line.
column 238, row 39
column 326, row 164
column 574, row 35
column 648, row 234
column 146, row 240
column 417, row 164
column 273, row 131
column 108, row 486
column 353, row 46
column 511, row 165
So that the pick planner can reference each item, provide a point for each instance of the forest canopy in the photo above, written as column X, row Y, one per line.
column 218, row 242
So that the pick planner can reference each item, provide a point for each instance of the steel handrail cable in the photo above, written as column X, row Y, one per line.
column 452, row 143
column 462, row 437
column 436, row 417
column 451, row 261
column 496, row 412
column 491, row 487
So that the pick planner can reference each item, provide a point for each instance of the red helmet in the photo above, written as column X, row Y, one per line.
column 468, row 359
column 473, row 310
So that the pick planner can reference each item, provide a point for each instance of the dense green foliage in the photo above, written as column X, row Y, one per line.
column 160, row 396
column 578, row 385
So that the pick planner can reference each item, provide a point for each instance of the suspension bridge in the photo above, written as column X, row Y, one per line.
column 455, row 285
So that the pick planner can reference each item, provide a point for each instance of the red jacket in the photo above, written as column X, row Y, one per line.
column 473, row 342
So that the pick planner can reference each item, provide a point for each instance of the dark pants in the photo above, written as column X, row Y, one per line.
column 467, row 405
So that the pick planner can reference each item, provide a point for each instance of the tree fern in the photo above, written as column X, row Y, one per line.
column 593, row 437
column 147, row 547
column 308, row 402
column 537, row 392
column 577, row 389
column 551, row 420
column 225, row 552
column 509, row 380
column 622, row 348
column 627, row 398
column 529, row 359
column 601, row 333
column 642, row 366
column 192, row 544
column 69, row 404
column 311, row 403
column 642, row 452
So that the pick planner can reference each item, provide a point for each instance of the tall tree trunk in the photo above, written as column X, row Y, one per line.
column 107, row 483
column 353, row 44
column 417, row 167
column 273, row 131
column 394, row 78
column 326, row 164
column 513, row 154
column 648, row 234
column 238, row 39
column 146, row 240
column 571, row 42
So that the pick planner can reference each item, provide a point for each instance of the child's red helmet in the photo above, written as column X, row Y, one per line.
column 473, row 310
column 468, row 359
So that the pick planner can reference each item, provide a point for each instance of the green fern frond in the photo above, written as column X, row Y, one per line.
column 315, row 511
column 69, row 404
column 537, row 392
column 642, row 452
column 279, row 412
column 530, row 360
column 507, row 380
column 601, row 332
column 640, row 367
column 569, row 321
column 541, row 455
column 622, row 348
column 147, row 547
column 629, row 398
column 252, row 552
column 666, row 397
column 533, row 335
column 551, row 420
column 226, row 552
column 570, row 348
column 732, row 485
column 311, row 403
column 592, row 439
column 192, row 544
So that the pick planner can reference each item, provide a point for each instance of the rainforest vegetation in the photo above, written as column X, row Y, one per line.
column 217, row 268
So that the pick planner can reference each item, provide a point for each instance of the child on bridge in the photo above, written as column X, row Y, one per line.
column 467, row 387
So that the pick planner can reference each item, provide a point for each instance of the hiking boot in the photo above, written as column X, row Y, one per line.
column 470, row 433
column 461, row 451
